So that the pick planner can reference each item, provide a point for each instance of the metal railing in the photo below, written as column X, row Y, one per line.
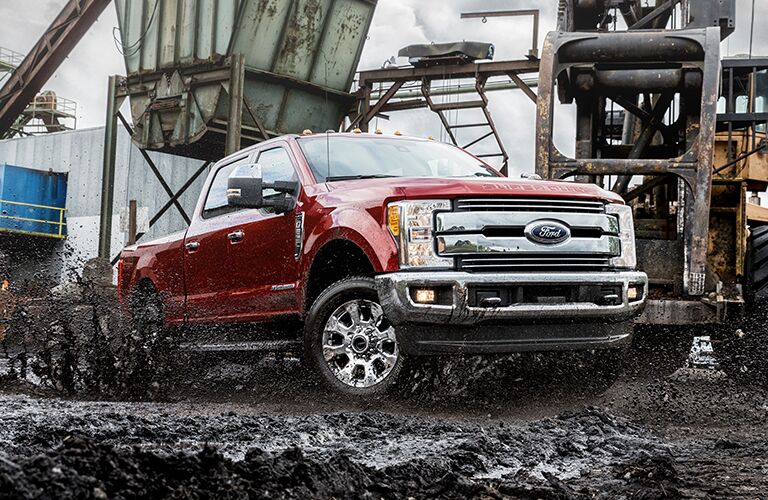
column 9, row 61
column 59, row 224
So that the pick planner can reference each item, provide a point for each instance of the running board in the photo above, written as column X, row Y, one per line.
column 263, row 346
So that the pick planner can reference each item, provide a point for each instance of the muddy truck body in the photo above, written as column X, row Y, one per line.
column 385, row 247
column 680, row 134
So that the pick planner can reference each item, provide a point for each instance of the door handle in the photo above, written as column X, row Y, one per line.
column 192, row 246
column 236, row 236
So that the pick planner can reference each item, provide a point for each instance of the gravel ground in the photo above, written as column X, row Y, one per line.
column 263, row 430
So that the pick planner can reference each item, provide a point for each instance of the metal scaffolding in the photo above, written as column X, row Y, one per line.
column 382, row 91
column 49, row 52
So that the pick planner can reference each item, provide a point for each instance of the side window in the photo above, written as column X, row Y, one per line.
column 216, row 201
column 276, row 165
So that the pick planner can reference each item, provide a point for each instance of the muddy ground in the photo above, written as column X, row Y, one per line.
column 261, row 428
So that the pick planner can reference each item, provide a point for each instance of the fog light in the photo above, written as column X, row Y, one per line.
column 425, row 296
column 634, row 293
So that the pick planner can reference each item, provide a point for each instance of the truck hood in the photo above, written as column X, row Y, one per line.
column 427, row 188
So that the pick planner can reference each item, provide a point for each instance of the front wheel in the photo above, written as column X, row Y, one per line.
column 349, row 341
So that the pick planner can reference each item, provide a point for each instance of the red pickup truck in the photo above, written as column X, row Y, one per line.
column 385, row 247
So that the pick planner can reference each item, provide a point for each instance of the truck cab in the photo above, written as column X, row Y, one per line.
column 389, row 247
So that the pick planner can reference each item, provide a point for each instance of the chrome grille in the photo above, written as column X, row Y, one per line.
column 511, row 263
column 484, row 235
column 530, row 205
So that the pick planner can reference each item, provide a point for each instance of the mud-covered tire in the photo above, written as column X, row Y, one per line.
column 365, row 344
column 740, row 349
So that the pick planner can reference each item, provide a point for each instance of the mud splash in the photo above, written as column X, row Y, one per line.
column 77, row 341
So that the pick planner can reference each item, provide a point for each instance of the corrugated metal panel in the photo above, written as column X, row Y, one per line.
column 312, row 40
column 300, row 58
column 80, row 154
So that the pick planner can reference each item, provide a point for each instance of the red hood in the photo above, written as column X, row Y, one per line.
column 425, row 188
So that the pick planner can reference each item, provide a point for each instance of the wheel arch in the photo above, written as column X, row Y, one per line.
column 335, row 260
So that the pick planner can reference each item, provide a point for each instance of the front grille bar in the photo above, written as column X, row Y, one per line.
column 530, row 204
column 514, row 263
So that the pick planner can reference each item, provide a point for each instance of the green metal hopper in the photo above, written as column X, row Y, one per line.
column 208, row 75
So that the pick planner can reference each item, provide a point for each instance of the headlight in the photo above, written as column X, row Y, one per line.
column 628, row 258
column 410, row 223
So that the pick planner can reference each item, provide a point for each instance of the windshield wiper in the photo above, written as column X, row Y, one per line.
column 357, row 177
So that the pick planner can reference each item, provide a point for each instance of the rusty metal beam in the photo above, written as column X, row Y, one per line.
column 476, row 70
column 376, row 109
column 659, row 11
column 523, row 86
column 46, row 56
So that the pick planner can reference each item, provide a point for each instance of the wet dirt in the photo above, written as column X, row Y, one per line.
column 262, row 427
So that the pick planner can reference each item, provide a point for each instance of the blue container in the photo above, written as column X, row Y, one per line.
column 33, row 202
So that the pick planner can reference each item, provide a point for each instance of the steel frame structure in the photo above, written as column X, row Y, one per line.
column 662, row 68
column 49, row 52
column 691, row 213
column 230, row 76
column 392, row 80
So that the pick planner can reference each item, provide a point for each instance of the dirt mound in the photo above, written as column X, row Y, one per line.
column 153, row 450
column 80, row 468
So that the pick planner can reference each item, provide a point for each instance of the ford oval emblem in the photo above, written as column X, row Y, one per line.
column 547, row 232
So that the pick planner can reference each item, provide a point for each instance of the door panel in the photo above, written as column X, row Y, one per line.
column 264, row 263
column 207, row 254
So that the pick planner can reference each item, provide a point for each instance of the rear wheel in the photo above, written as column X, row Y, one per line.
column 149, row 355
column 349, row 341
column 146, row 309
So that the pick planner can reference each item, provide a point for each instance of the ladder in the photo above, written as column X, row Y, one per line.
column 485, row 126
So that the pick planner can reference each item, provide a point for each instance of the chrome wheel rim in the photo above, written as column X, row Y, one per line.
column 359, row 344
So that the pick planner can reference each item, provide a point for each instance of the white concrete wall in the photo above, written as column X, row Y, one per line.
column 80, row 154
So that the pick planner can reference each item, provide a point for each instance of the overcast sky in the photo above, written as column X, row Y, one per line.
column 397, row 23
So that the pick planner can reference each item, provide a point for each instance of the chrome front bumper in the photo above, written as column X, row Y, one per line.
column 400, row 309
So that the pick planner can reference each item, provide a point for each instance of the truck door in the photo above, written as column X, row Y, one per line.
column 207, row 262
column 264, row 261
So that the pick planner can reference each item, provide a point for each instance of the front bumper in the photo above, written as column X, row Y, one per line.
column 395, row 294
column 548, row 325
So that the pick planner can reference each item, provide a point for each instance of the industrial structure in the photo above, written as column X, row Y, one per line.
column 647, row 110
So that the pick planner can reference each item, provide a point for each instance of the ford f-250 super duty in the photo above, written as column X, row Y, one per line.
column 386, row 247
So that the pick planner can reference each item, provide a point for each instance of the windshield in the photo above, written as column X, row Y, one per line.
column 371, row 157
